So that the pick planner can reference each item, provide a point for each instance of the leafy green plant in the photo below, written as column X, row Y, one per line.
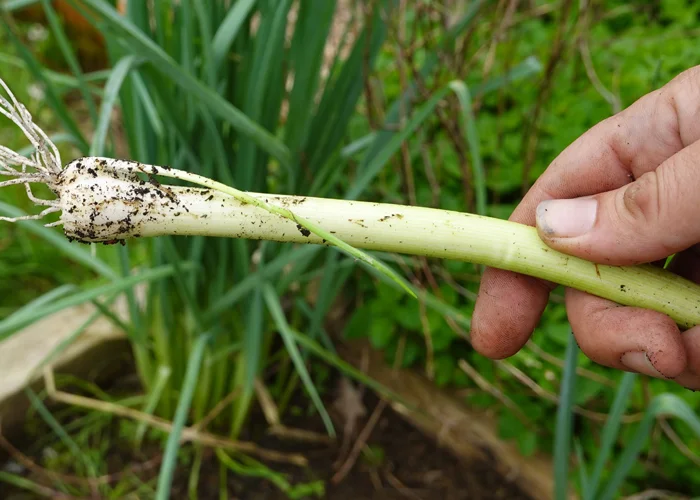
column 610, row 33
column 237, row 95
column 597, row 477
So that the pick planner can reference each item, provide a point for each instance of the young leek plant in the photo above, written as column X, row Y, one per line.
column 109, row 200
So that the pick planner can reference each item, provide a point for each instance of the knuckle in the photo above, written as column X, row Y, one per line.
column 689, row 75
column 682, row 96
column 641, row 200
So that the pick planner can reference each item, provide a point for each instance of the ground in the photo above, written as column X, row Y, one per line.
column 403, row 463
column 413, row 467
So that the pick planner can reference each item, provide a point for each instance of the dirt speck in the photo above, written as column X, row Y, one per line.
column 303, row 230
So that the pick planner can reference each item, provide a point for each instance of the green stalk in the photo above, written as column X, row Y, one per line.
column 170, row 455
column 222, row 211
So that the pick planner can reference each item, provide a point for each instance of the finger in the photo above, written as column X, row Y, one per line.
column 626, row 338
column 689, row 381
column 691, row 339
column 690, row 377
column 686, row 264
column 606, row 157
column 508, row 308
column 649, row 219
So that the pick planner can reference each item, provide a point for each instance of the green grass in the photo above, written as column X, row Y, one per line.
column 433, row 126
column 206, row 95
column 502, row 123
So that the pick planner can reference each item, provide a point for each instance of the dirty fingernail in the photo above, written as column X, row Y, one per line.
column 566, row 218
column 638, row 361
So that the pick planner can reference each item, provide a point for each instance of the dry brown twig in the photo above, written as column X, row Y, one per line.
column 216, row 411
column 401, row 488
column 359, row 443
column 538, row 351
column 654, row 494
column 276, row 428
column 430, row 175
column 349, row 404
column 402, row 62
column 428, row 338
column 189, row 434
column 583, row 46
column 678, row 442
column 530, row 137
column 506, row 21
column 488, row 387
column 549, row 396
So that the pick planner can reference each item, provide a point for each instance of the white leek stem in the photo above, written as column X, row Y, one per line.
column 226, row 212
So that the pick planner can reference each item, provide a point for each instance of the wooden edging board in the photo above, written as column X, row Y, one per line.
column 23, row 354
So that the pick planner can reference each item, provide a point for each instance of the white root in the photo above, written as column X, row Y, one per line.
column 43, row 166
column 38, row 201
column 38, row 216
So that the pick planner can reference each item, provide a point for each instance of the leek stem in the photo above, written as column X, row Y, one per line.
column 102, row 199
column 226, row 212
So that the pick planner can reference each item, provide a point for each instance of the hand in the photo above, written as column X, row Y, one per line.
column 626, row 192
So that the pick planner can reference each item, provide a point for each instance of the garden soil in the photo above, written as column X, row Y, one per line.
column 397, row 460
column 405, row 464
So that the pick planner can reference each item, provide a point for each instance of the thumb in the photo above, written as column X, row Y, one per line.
column 644, row 221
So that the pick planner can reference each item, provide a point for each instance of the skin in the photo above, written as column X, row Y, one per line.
column 642, row 166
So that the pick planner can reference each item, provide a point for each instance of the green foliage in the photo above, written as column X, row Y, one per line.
column 634, row 48
column 241, row 95
column 208, row 94
column 252, row 468
column 604, row 481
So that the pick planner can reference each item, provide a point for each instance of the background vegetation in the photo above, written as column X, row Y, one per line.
column 353, row 100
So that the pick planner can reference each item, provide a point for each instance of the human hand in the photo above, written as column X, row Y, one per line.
column 626, row 192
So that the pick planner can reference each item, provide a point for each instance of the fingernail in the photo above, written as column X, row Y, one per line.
column 638, row 361
column 566, row 218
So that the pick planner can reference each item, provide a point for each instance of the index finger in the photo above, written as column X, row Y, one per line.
column 608, row 156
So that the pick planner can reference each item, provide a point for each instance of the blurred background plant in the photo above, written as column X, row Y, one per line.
column 457, row 104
